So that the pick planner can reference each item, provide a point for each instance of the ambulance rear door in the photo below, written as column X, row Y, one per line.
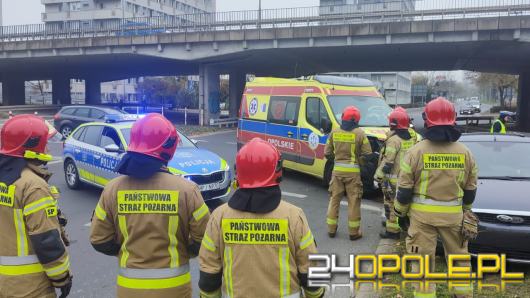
column 282, row 126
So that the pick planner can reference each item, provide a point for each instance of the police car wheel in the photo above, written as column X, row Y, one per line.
column 71, row 174
column 66, row 130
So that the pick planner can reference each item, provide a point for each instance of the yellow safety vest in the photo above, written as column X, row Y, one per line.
column 503, row 127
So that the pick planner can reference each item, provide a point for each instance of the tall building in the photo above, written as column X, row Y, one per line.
column 105, row 13
column 396, row 86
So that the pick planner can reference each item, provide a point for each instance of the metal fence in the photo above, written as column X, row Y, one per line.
column 402, row 10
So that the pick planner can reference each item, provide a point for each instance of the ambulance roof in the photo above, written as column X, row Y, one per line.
column 322, row 79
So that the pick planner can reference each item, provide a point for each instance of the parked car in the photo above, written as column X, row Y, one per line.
column 70, row 117
column 502, row 203
column 93, row 151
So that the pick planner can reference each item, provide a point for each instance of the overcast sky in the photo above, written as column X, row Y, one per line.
column 16, row 12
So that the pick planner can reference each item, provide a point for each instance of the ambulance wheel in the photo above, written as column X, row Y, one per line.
column 71, row 175
column 328, row 169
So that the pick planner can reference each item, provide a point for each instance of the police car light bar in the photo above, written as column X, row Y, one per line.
column 122, row 118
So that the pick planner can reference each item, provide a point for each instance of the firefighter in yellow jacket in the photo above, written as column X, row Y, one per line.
column 152, row 220
column 397, row 144
column 436, row 186
column 33, row 257
column 347, row 146
column 257, row 245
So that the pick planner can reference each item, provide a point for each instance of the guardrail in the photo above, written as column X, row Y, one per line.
column 227, row 122
column 404, row 10
column 29, row 108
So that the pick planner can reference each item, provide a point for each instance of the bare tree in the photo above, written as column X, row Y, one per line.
column 501, row 82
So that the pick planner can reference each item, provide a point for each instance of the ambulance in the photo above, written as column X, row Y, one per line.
column 297, row 115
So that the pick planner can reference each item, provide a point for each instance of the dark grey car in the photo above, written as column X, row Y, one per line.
column 503, row 196
column 70, row 117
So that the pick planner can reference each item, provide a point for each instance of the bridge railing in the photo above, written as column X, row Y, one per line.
column 399, row 10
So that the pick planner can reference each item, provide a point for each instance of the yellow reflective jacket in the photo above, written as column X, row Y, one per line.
column 153, row 221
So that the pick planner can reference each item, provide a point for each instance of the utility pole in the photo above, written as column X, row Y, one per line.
column 259, row 13
column 1, row 24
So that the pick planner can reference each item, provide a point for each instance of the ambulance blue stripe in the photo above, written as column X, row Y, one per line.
column 282, row 130
column 254, row 126
column 274, row 129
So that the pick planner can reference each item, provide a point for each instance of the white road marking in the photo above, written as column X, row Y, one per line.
column 364, row 206
column 201, row 141
column 88, row 224
column 294, row 195
column 231, row 143
column 55, row 161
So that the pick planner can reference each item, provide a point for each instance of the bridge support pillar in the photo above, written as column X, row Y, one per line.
column 92, row 91
column 209, row 95
column 13, row 91
column 61, row 91
column 236, row 87
column 523, row 102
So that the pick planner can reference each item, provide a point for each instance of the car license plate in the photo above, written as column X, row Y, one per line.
column 211, row 186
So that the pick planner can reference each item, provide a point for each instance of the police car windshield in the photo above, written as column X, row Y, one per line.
column 184, row 141
column 374, row 110
column 515, row 161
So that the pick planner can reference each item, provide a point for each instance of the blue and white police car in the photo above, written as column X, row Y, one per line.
column 93, row 150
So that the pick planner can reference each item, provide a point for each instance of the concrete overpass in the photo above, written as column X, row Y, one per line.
column 492, row 38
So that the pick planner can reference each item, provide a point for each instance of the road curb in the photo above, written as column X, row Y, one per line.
column 211, row 133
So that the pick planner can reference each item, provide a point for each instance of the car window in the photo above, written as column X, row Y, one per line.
column 110, row 136
column 374, row 110
column 82, row 112
column 316, row 112
column 68, row 111
column 97, row 114
column 93, row 134
column 79, row 133
column 284, row 110
column 515, row 161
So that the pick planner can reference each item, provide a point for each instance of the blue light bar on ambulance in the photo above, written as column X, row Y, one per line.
column 113, row 118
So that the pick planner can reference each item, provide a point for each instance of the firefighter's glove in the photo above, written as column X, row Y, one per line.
column 63, row 221
column 64, row 285
column 404, row 223
column 470, row 225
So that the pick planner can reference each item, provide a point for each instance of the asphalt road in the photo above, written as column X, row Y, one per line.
column 95, row 274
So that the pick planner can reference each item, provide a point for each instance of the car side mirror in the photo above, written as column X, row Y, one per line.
column 326, row 126
column 113, row 148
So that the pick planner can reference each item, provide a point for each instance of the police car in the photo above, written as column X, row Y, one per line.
column 93, row 150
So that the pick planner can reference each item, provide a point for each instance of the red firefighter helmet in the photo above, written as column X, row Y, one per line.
column 154, row 136
column 439, row 111
column 351, row 113
column 25, row 136
column 399, row 119
column 258, row 164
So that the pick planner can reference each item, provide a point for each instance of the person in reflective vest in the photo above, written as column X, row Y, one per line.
column 499, row 125
column 257, row 245
column 347, row 146
column 397, row 144
column 152, row 220
column 33, row 257
column 436, row 185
